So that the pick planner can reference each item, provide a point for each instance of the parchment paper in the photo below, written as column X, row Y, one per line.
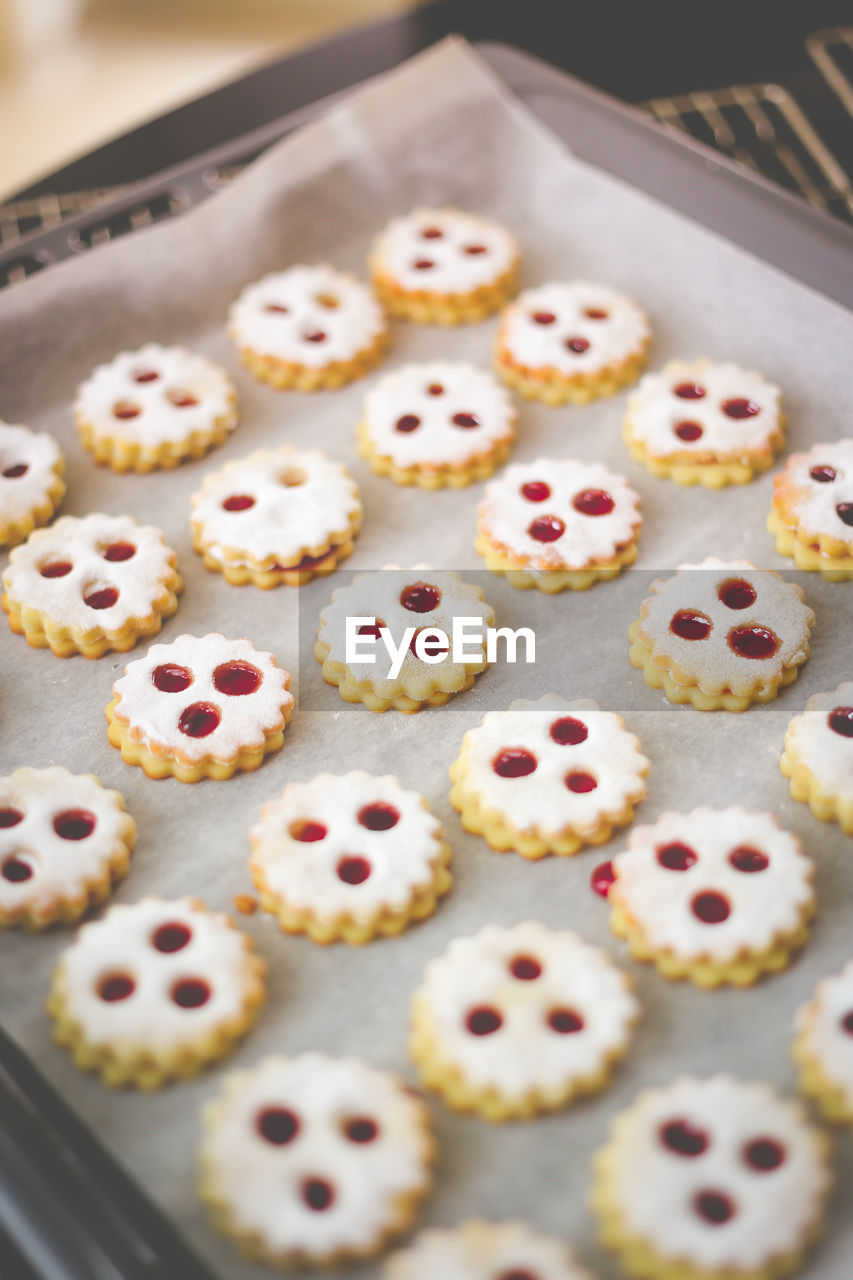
column 439, row 129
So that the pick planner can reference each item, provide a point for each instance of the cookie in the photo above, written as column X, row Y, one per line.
column 547, row 777
column 403, row 603
column 721, row 635
column 155, row 991
column 314, row 1160
column 308, row 328
column 478, row 1250
column 515, row 1021
column 277, row 516
column 91, row 584
column 154, row 408
column 696, row 422
column 436, row 424
column 812, row 510
column 557, row 523
column 200, row 707
column 31, row 483
column 712, row 1179
column 444, row 266
column 571, row 343
column 823, row 1048
column 719, row 896
column 818, row 756
column 64, row 842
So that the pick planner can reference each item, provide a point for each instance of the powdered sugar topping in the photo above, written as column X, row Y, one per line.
column 27, row 462
column 444, row 251
column 575, row 327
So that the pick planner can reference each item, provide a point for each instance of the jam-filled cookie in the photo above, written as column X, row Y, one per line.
column 315, row 1160
column 349, row 857
column 200, row 707
column 719, row 896
column 308, row 328
column 711, row 1179
column 818, row 756
column 154, row 407
column 696, row 422
column 402, row 608
column 276, row 516
column 557, row 523
column 571, row 343
column 64, row 842
column 90, row 585
column 155, row 991
column 721, row 635
column 478, row 1250
column 823, row 1048
column 547, row 777
column 437, row 424
column 444, row 266
column 511, row 1022
column 812, row 512
column 31, row 483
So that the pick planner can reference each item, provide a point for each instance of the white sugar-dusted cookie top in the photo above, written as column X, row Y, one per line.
column 203, row 697
column 478, row 1250
column 697, row 406
column 822, row 738
column 576, row 327
column 826, row 1027
column 346, row 845
column 27, row 462
column 717, row 1173
column 559, row 513
column 313, row 1154
column 727, row 624
column 815, row 491
column 275, row 505
column 526, row 1008
column 91, row 571
column 307, row 316
column 59, row 833
column 548, row 766
column 156, row 395
column 440, row 413
column 713, row 882
column 157, row 973
column 444, row 251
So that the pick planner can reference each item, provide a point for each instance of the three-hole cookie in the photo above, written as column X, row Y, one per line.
column 31, row 483
column 823, row 1048
column 818, row 756
column 812, row 512
column 477, row 1250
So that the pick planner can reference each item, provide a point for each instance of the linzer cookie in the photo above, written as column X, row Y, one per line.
column 314, row 1160
column 812, row 511
column 308, row 328
column 200, row 707
column 571, row 342
column 31, row 483
column 64, row 842
column 478, row 1250
column 400, row 609
column 154, row 407
column 721, row 634
column 276, row 516
column 436, row 424
column 547, row 777
column 349, row 857
column 155, row 991
column 88, row 585
column 557, row 523
column 444, row 266
column 696, row 422
column 719, row 896
column 512, row 1022
column 818, row 756
column 711, row 1179
column 823, row 1048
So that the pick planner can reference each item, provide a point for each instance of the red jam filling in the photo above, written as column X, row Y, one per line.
column 435, row 389
column 596, row 313
column 238, row 502
column 516, row 1274
column 676, row 856
column 424, row 264
column 182, row 399
column 844, row 511
column 688, row 431
column 74, row 824
column 684, row 1138
column 10, row 817
column 474, row 249
column 483, row 1021
column 565, row 1021
column 15, row 870
column 361, row 1129
column 317, row 1194
column 15, row 472
column 431, row 646
column 307, row 831
column 580, row 783
column 764, row 1154
column 146, row 375
column 847, row 1023
column 543, row 317
column 199, row 720
column 841, row 721
column 277, row 1125
column 536, row 491
column 690, row 625
column 353, row 870
column 315, row 335
column 689, row 391
column 378, row 816
column 118, row 551
column 432, row 233
column 602, row 878
column 236, row 679
column 593, row 502
column 740, row 408
column 822, row 473
column 170, row 678
column 420, row 597
column 569, row 732
column 748, row 860
column 103, row 598
column 577, row 345
column 171, row 937
column 525, row 968
column 277, row 307
column 56, row 569
column 124, row 409
column 408, row 422
column 737, row 593
column 753, row 642
column 371, row 629
column 116, row 986
column 710, row 907
column 714, row 1206
column 465, row 420
column 546, row 528
column 190, row 993
column 514, row 762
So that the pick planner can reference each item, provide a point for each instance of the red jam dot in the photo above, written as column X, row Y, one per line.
column 474, row 249
column 565, row 1021
column 543, row 317
column 371, row 629
column 688, row 431
column 515, row 1274
column 124, row 409
column 753, row 642
column 116, row 986
column 353, row 870
column 602, row 878
column 408, row 422
column 823, row 474
column 525, row 968
column 103, row 598
column 424, row 264
column 748, row 860
column 56, row 569
column 689, row 391
column 764, row 1154
column 431, row 646
column 676, row 856
column 74, row 824
column 315, row 335
column 483, row 1021
column 465, row 420
column 199, row 720
column 546, row 529
column 847, row 1023
column 577, row 345
column 740, row 408
column 536, row 491
column 596, row 313
column 361, row 1129
column 15, row 870
column 190, row 993
column 170, row 678
column 714, row 1207
column 435, row 389
column 844, row 511
column 690, row 625
column 684, row 1138
column 238, row 502
column 182, row 399
column 317, row 1194
column 569, row 732
column 10, row 817
column 277, row 1125
column 737, row 593
column 171, row 937
column 420, row 597
column 15, row 472
column 580, row 783
column 710, row 907
column 146, row 375
column 432, row 233
column 593, row 502
column 118, row 551
column 236, row 679
column 277, row 307
column 515, row 762
column 841, row 721
column 307, row 831
column 378, row 816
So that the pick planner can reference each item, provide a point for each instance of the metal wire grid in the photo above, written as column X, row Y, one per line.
column 832, row 53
